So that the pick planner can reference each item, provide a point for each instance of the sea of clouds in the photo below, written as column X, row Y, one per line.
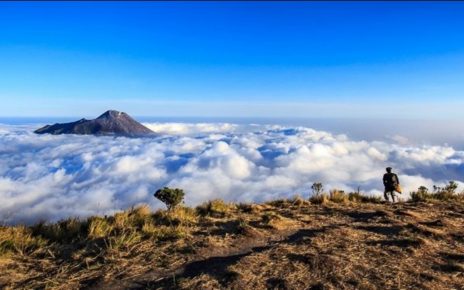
column 46, row 177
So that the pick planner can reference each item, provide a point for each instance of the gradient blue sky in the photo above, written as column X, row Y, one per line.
column 274, row 59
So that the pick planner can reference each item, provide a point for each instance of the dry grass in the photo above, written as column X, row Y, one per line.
column 177, row 216
column 100, row 227
column 358, row 197
column 19, row 240
column 319, row 199
column 333, row 241
column 215, row 208
column 299, row 201
column 338, row 196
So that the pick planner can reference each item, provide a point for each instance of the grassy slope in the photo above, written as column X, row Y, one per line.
column 290, row 244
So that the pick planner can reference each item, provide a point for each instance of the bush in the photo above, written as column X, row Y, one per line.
column 422, row 194
column 172, row 197
column 451, row 187
column 318, row 197
column 317, row 188
column 448, row 192
column 439, row 193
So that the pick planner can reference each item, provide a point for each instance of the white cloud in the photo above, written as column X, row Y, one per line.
column 45, row 177
column 190, row 129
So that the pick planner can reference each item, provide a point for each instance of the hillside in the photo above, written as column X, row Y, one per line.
column 285, row 244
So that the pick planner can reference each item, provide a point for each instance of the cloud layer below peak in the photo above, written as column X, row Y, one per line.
column 45, row 177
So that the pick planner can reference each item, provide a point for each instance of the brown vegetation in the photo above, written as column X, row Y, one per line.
column 332, row 241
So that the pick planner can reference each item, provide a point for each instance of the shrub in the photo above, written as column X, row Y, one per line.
column 439, row 193
column 318, row 196
column 448, row 192
column 317, row 188
column 451, row 187
column 172, row 197
column 444, row 195
column 422, row 194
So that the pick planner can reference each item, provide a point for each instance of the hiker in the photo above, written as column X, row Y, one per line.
column 392, row 184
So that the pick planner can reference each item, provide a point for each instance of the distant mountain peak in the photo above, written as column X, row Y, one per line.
column 111, row 122
column 112, row 114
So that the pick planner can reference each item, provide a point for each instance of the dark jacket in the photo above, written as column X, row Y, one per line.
column 390, row 181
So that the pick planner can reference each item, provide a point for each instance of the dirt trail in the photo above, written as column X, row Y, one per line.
column 211, row 261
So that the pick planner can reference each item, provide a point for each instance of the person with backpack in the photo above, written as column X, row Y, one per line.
column 392, row 185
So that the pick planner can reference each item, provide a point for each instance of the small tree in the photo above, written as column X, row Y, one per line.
column 437, row 189
column 422, row 194
column 317, row 188
column 423, row 190
column 451, row 187
column 172, row 197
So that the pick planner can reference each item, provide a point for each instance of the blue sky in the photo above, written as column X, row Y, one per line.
column 274, row 59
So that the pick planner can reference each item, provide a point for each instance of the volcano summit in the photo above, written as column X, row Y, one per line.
column 109, row 123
